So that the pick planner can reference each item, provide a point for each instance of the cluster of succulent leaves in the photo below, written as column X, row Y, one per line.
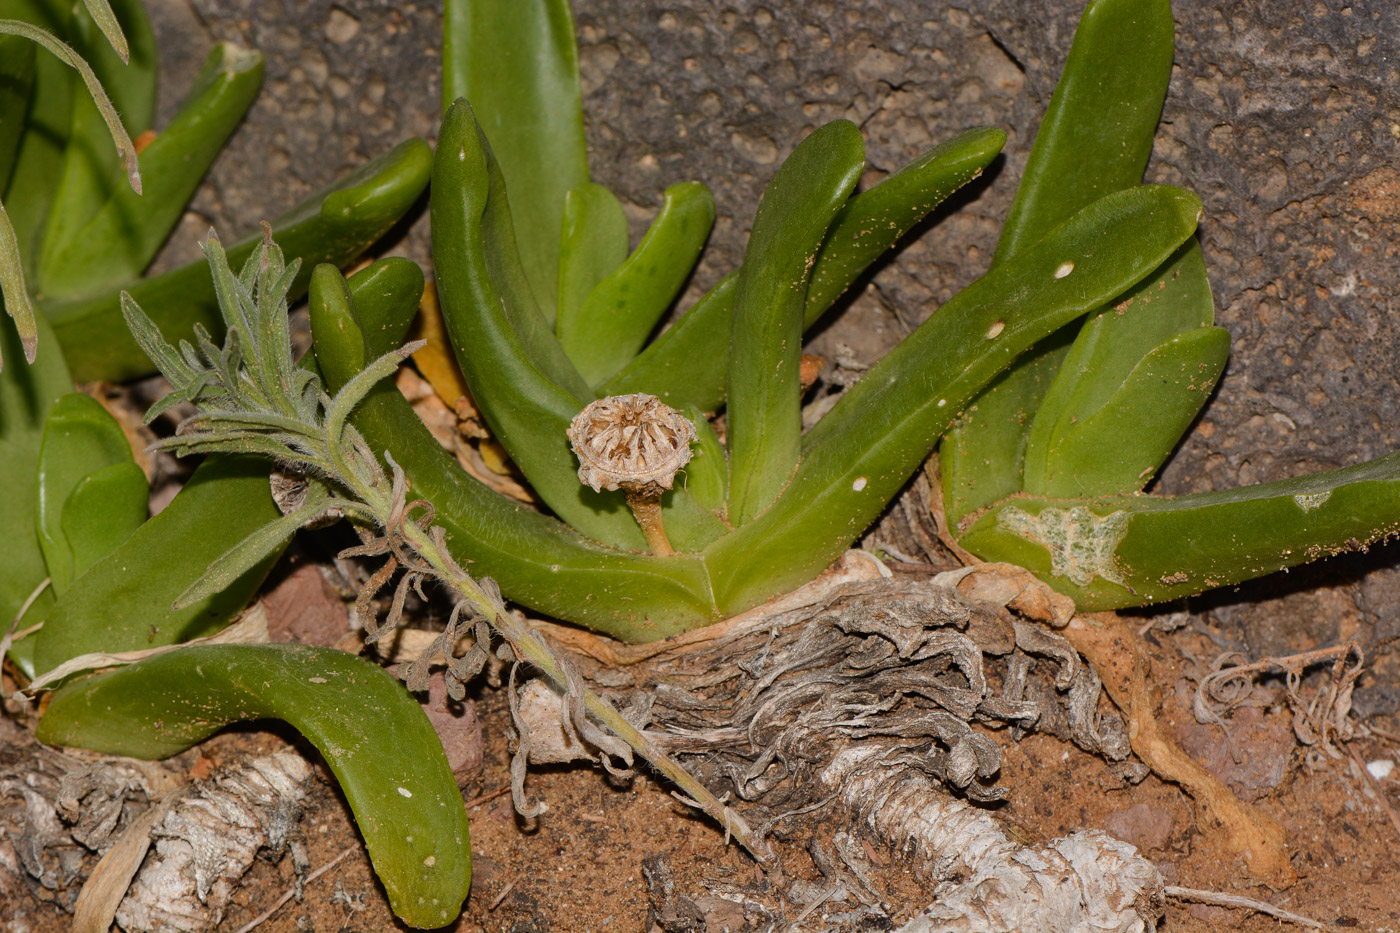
column 251, row 398
column 1046, row 468
column 1053, row 431
column 547, row 310
column 82, row 235
column 85, row 571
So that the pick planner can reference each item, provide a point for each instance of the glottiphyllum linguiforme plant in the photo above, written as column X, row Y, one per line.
column 79, row 236
column 535, row 327
column 251, row 398
column 1046, row 467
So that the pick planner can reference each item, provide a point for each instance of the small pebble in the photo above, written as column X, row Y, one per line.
column 1380, row 768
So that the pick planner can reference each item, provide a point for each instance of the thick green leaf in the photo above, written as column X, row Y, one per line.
column 857, row 457
column 335, row 225
column 528, row 411
column 1117, row 449
column 1133, row 382
column 104, row 509
column 538, row 560
column 707, row 473
column 872, row 222
column 117, row 243
column 80, row 438
column 386, row 295
column 368, row 729
column 1095, row 139
column 93, row 171
column 27, row 392
column 607, row 332
column 1097, row 132
column 123, row 602
column 1109, row 553
column 686, row 365
column 592, row 245
column 16, row 85
column 765, row 345
column 517, row 62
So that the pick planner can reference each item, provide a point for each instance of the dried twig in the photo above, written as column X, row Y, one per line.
column 1237, row 900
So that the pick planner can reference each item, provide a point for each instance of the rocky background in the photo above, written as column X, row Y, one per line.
column 1284, row 117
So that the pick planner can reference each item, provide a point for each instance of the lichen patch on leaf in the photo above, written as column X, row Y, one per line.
column 1309, row 501
column 1082, row 545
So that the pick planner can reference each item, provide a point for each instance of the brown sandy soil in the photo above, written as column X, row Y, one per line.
column 579, row 866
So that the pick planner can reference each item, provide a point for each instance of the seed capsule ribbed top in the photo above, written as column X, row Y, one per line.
column 634, row 442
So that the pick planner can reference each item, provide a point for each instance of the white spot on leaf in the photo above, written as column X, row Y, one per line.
column 859, row 484
column 405, row 791
column 1065, row 269
column 1309, row 501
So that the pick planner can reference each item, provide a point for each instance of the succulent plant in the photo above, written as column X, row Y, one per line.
column 250, row 397
column 79, row 236
column 1046, row 467
column 770, row 510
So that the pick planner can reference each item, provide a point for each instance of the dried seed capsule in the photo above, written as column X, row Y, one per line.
column 635, row 443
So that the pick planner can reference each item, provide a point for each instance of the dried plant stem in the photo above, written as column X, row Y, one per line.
column 1108, row 644
column 1236, row 900
column 647, row 510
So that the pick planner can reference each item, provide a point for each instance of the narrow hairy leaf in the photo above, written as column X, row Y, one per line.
column 405, row 800
column 358, row 387
column 120, row 240
column 17, row 303
column 106, row 20
column 90, row 175
column 109, row 114
column 268, row 539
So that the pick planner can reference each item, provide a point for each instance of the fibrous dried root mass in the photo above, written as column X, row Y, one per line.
column 883, row 695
